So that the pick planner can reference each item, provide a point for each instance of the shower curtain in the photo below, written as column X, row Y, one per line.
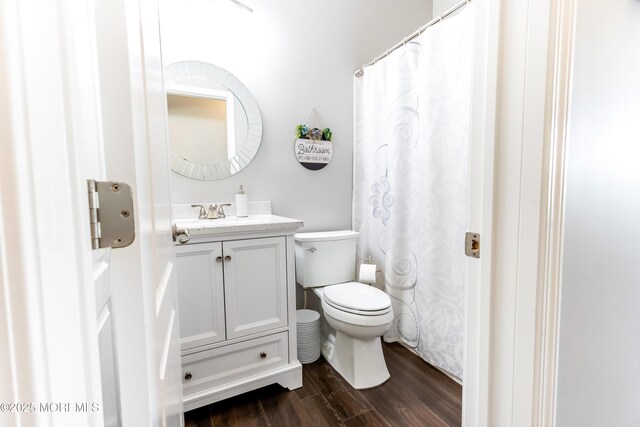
column 410, row 184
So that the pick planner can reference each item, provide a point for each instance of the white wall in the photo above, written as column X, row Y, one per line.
column 293, row 55
column 599, row 361
column 441, row 6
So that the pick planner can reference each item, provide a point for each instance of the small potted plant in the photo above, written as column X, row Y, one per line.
column 313, row 146
column 315, row 134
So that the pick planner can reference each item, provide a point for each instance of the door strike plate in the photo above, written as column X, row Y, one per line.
column 472, row 245
column 111, row 214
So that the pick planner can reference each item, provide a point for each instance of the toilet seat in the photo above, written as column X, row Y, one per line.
column 357, row 298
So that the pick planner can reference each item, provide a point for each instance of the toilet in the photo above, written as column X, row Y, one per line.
column 359, row 313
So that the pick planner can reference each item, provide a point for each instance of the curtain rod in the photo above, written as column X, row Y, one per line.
column 360, row 71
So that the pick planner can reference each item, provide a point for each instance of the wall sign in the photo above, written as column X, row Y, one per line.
column 313, row 147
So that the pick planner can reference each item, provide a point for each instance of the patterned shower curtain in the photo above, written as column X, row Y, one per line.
column 410, row 184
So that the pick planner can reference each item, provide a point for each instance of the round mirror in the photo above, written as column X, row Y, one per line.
column 215, row 127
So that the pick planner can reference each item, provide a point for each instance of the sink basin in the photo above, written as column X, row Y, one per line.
column 220, row 222
column 234, row 219
column 232, row 224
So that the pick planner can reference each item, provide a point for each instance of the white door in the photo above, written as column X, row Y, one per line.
column 83, row 99
column 135, row 151
column 106, row 338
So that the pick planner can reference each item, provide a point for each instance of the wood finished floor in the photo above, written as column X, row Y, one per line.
column 417, row 394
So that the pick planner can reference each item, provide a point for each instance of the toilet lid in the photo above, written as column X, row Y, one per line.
column 357, row 296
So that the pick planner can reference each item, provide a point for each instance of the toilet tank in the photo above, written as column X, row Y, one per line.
column 325, row 258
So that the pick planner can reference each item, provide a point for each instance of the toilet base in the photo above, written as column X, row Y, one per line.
column 359, row 361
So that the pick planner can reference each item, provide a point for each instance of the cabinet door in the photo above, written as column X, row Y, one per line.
column 200, row 294
column 255, row 285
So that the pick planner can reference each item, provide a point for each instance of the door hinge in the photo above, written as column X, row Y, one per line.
column 110, row 214
column 472, row 245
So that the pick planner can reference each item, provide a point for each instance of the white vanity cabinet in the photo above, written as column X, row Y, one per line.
column 236, row 296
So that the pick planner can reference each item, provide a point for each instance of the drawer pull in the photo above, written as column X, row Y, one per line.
column 188, row 376
column 218, row 259
column 227, row 258
column 263, row 355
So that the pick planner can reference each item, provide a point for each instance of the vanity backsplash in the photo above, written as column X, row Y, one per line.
column 185, row 211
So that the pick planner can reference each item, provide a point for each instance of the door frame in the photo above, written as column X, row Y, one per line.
column 512, row 331
column 562, row 21
column 475, row 397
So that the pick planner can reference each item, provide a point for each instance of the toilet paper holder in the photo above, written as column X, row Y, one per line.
column 369, row 260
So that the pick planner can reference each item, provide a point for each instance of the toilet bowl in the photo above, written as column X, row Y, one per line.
column 360, row 314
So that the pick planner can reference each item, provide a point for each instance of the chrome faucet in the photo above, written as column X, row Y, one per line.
column 220, row 212
column 212, row 213
column 203, row 213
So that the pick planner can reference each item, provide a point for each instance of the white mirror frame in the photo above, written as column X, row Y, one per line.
column 179, row 78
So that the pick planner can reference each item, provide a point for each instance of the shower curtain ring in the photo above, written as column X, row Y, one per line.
column 440, row 18
column 387, row 54
column 404, row 40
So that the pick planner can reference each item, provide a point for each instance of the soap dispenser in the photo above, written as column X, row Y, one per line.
column 242, row 204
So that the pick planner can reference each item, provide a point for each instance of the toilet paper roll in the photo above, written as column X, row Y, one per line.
column 367, row 273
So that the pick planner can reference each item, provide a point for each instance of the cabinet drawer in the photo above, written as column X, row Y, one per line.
column 212, row 368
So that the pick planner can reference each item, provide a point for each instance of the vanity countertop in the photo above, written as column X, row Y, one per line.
column 202, row 227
